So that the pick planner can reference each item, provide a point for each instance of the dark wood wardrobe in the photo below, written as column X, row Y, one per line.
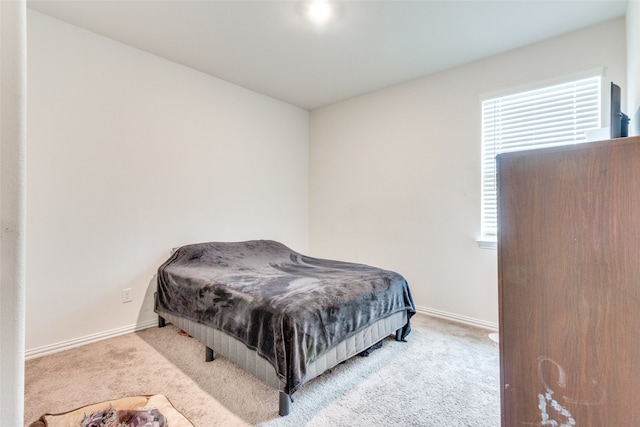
column 569, row 285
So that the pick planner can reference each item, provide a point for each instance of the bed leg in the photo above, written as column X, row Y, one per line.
column 209, row 355
column 161, row 322
column 285, row 402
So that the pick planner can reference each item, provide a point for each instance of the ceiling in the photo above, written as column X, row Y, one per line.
column 271, row 48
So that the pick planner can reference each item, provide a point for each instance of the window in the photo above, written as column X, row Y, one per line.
column 547, row 117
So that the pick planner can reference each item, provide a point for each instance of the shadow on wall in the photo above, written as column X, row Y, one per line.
column 147, row 310
column 635, row 124
column 147, row 315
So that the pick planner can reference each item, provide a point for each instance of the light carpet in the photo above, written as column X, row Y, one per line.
column 445, row 375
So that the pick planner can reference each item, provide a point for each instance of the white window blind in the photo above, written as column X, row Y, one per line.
column 547, row 117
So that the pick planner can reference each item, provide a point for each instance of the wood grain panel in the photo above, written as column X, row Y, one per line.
column 569, row 285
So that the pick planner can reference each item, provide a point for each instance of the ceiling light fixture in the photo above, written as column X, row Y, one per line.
column 319, row 11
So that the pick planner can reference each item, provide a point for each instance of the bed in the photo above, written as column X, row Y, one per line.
column 280, row 315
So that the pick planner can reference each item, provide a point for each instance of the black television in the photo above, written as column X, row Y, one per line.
column 619, row 127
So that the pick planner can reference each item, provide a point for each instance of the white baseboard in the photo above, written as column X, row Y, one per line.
column 483, row 324
column 77, row 342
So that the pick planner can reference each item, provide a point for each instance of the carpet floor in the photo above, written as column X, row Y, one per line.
column 446, row 374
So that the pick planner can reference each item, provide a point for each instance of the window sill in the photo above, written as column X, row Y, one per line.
column 487, row 244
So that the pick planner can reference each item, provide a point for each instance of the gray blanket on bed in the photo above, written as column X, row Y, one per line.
column 288, row 307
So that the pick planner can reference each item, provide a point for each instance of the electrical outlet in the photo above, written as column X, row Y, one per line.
column 126, row 295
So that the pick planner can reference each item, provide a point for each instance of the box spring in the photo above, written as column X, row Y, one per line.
column 249, row 360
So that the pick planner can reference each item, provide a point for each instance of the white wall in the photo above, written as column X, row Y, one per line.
column 13, row 73
column 130, row 155
column 395, row 175
column 633, row 66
